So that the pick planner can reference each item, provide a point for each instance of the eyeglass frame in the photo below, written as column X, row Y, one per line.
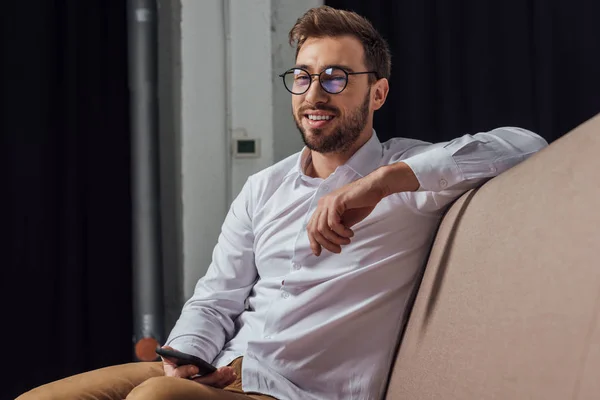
column 282, row 76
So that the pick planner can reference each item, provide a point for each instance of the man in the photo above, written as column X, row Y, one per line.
column 318, row 253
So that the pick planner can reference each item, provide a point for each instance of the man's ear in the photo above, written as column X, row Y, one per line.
column 379, row 92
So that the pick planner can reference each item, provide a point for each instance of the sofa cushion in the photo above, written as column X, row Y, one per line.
column 509, row 304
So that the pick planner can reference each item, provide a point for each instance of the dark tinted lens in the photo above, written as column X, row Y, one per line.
column 297, row 81
column 333, row 80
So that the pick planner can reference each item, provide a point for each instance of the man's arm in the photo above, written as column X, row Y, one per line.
column 206, row 322
column 446, row 170
column 430, row 176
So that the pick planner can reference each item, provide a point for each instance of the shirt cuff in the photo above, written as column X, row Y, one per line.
column 188, row 347
column 435, row 169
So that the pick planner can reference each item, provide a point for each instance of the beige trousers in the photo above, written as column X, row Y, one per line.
column 137, row 381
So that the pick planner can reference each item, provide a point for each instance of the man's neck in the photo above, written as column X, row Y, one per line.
column 323, row 165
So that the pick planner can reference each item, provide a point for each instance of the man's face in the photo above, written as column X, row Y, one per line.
column 333, row 122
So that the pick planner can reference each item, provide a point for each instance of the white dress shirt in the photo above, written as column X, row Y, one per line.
column 326, row 327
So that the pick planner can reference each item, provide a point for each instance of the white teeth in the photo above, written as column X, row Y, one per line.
column 319, row 117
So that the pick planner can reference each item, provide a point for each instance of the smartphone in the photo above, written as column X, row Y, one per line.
column 180, row 358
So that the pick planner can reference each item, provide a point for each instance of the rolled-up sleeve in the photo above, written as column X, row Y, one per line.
column 451, row 168
column 207, row 319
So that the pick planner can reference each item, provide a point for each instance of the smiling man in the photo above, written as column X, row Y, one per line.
column 311, row 274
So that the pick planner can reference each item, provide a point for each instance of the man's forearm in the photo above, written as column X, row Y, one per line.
column 397, row 177
column 467, row 159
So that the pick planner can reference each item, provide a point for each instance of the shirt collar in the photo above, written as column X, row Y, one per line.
column 363, row 162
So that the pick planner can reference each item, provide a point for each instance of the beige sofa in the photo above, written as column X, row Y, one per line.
column 509, row 304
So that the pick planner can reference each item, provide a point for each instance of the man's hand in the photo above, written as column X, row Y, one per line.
column 329, row 226
column 220, row 378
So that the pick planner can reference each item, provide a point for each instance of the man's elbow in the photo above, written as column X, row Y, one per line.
column 521, row 138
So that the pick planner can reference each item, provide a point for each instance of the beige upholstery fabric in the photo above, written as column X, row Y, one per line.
column 509, row 306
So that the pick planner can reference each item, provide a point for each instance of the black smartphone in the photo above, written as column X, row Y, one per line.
column 180, row 358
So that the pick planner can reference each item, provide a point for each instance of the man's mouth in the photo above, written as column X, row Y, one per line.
column 318, row 120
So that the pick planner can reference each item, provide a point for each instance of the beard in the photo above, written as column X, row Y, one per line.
column 343, row 136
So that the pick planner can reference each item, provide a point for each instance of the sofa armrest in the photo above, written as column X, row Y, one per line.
column 110, row 383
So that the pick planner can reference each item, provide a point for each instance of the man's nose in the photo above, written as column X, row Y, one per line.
column 315, row 93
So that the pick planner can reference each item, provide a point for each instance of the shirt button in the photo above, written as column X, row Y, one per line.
column 285, row 295
column 325, row 188
column 268, row 337
column 296, row 266
column 493, row 169
column 443, row 183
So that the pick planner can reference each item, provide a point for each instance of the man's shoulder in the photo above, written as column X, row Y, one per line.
column 277, row 171
column 267, row 180
column 402, row 143
column 400, row 147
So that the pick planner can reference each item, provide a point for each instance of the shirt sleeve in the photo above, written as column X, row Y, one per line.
column 207, row 319
column 447, row 170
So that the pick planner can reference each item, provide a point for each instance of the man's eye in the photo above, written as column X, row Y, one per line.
column 335, row 79
column 301, row 78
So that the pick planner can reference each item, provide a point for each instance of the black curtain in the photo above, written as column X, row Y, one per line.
column 66, row 284
column 464, row 66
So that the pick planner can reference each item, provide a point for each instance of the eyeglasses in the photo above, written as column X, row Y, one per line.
column 333, row 79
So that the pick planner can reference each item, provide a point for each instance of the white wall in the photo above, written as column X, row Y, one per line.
column 251, row 84
column 205, row 73
column 203, row 138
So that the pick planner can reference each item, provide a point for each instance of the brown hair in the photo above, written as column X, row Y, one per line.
column 327, row 21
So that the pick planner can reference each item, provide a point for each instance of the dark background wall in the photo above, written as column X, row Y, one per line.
column 458, row 67
column 464, row 66
column 66, row 251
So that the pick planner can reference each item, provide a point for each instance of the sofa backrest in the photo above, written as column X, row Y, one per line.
column 509, row 304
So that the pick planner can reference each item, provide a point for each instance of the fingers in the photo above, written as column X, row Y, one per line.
column 222, row 377
column 171, row 367
column 314, row 245
column 328, row 238
column 334, row 222
column 329, row 226
column 325, row 234
column 185, row 371
column 318, row 241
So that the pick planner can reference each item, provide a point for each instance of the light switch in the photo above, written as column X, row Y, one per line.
column 246, row 148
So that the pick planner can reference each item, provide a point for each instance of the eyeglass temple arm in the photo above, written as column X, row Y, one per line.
column 360, row 73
